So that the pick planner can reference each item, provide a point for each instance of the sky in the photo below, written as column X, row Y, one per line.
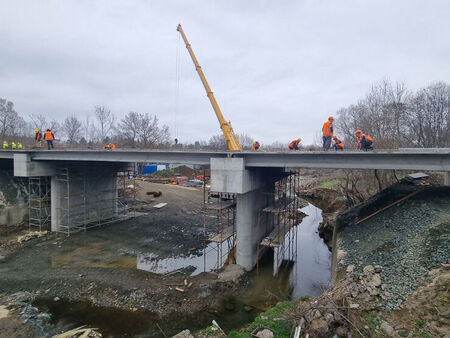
column 278, row 69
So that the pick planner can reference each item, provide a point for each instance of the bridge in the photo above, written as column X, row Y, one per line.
column 90, row 176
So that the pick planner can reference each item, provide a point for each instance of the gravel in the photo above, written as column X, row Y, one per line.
column 406, row 240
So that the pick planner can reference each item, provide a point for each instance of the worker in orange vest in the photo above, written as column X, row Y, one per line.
column 37, row 137
column 256, row 145
column 113, row 146
column 294, row 144
column 49, row 137
column 327, row 133
column 338, row 144
column 364, row 141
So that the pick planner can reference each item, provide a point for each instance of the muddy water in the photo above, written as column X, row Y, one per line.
column 308, row 269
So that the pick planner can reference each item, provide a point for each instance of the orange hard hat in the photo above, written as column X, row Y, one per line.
column 330, row 118
column 358, row 132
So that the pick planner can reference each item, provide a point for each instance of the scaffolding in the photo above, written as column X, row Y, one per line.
column 222, row 242
column 39, row 211
column 284, row 212
column 84, row 203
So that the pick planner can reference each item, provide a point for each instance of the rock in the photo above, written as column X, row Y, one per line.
column 446, row 314
column 319, row 326
column 265, row 333
column 184, row 334
column 378, row 268
column 363, row 295
column 247, row 308
column 341, row 331
column 387, row 329
column 350, row 268
column 403, row 333
column 56, row 299
column 376, row 280
column 354, row 305
column 2, row 258
column 312, row 314
column 231, row 273
column 329, row 317
column 341, row 255
column 368, row 269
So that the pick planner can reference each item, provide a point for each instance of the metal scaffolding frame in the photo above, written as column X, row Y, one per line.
column 39, row 210
column 284, row 210
column 89, row 210
column 225, row 234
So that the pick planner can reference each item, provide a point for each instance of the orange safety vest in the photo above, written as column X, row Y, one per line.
column 48, row 136
column 339, row 143
column 113, row 146
column 256, row 146
column 327, row 128
column 293, row 144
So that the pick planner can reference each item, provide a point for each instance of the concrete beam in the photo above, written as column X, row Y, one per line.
column 25, row 167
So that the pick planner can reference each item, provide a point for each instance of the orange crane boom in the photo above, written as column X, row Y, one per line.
column 228, row 132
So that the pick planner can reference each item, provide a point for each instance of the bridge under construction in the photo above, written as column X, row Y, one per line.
column 80, row 187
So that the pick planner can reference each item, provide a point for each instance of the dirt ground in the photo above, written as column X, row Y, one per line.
column 106, row 266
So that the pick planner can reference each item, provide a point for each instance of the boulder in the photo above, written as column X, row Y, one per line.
column 183, row 334
column 232, row 273
column 265, row 333
column 387, row 329
column 319, row 327
column 368, row 269
column 350, row 268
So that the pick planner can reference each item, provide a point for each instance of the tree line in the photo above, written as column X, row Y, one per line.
column 136, row 130
column 398, row 117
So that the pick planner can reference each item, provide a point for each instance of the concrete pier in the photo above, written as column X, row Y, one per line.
column 254, row 189
column 447, row 178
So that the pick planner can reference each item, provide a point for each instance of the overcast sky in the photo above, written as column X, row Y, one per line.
column 277, row 68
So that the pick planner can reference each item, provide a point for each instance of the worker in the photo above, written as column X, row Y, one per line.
column 19, row 145
column 364, row 141
column 294, row 144
column 107, row 146
column 256, row 145
column 113, row 146
column 337, row 144
column 49, row 137
column 327, row 132
column 13, row 145
column 5, row 145
column 37, row 137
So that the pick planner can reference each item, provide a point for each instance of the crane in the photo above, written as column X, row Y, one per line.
column 228, row 132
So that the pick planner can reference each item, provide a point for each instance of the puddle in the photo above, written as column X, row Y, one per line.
column 303, row 276
column 113, row 322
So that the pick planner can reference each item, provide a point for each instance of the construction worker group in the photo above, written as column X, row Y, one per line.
column 14, row 145
column 331, row 141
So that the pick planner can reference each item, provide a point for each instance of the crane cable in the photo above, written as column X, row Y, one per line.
column 176, row 99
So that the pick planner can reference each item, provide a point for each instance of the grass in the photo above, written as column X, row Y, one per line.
column 272, row 319
column 332, row 185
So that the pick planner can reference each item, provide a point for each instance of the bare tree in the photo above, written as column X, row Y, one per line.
column 89, row 130
column 129, row 127
column 245, row 141
column 218, row 142
column 39, row 121
column 106, row 121
column 71, row 128
column 10, row 121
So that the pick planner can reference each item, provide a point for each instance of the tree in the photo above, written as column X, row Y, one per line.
column 11, row 124
column 106, row 121
column 39, row 121
column 245, row 141
column 218, row 142
column 143, row 130
column 71, row 128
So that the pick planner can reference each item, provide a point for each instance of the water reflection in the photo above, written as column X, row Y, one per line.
column 310, row 267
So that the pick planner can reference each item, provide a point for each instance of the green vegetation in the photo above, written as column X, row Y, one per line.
column 332, row 185
column 273, row 319
column 420, row 323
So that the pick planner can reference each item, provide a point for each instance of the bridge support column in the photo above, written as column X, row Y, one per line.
column 447, row 178
column 253, row 189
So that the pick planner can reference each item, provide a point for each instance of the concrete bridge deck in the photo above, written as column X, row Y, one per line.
column 424, row 159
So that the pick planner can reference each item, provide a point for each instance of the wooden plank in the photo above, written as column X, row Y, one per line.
column 160, row 205
column 222, row 235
